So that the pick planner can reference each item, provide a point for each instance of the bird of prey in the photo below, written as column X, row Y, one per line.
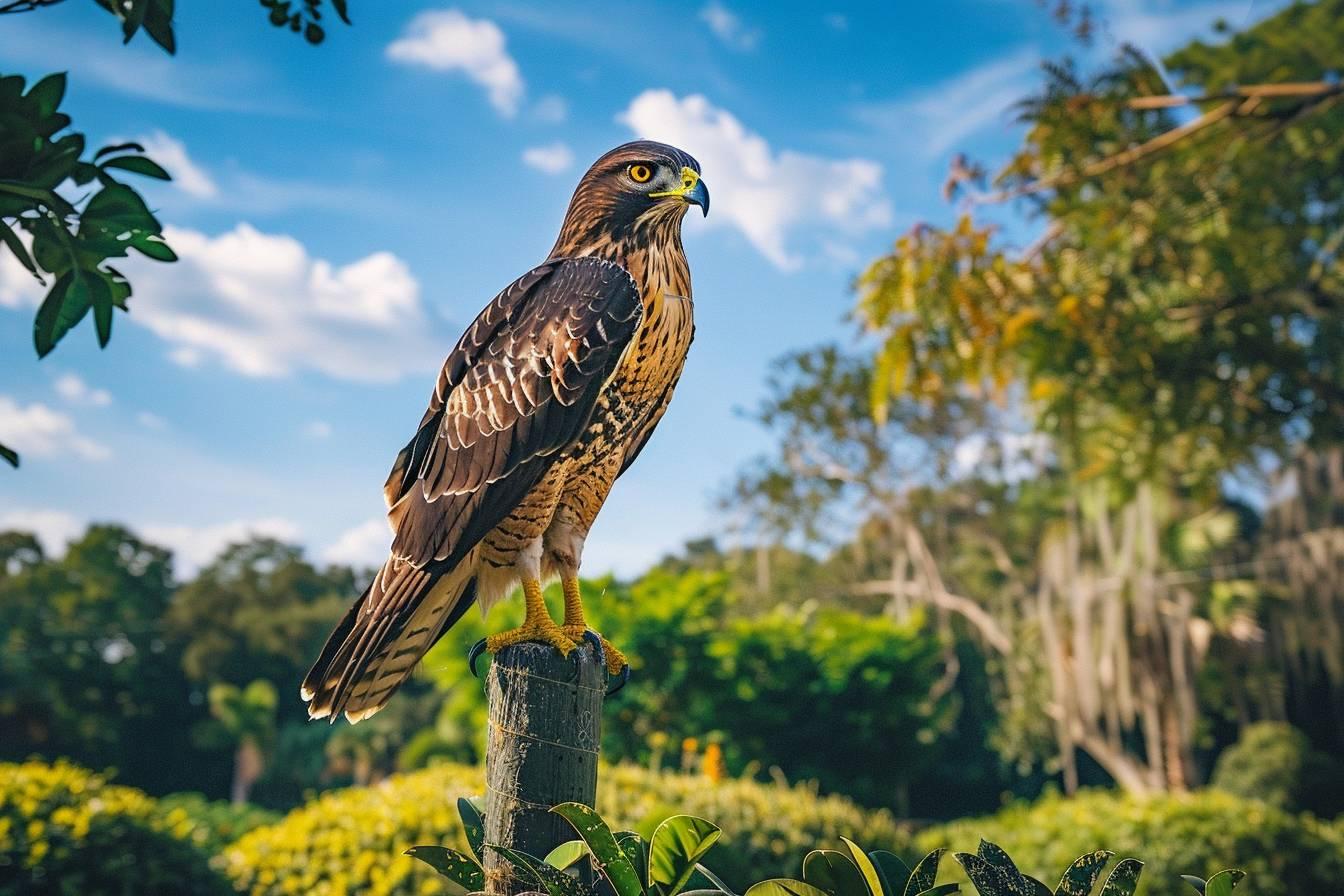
column 547, row 398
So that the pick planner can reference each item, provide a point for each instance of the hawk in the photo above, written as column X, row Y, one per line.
column 547, row 398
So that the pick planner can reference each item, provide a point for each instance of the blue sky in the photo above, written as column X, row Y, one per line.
column 344, row 211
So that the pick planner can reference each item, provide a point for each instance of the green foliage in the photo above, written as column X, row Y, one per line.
column 215, row 823
column 71, row 242
column 1221, row 884
column 699, row 668
column 354, row 839
column 65, row 831
column 852, row 872
column 1181, row 313
column 1275, row 762
column 89, row 672
column 627, row 863
column 1284, row 854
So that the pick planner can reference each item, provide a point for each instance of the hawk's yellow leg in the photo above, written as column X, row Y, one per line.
column 537, row 625
column 574, row 625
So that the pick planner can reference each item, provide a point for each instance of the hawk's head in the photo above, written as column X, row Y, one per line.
column 639, row 190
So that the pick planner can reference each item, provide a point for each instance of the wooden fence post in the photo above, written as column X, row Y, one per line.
column 541, row 750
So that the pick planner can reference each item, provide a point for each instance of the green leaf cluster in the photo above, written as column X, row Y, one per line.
column 1283, row 854
column 852, row 872
column 70, row 241
column 65, row 831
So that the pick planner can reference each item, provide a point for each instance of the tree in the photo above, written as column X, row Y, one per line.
column 246, row 716
column 89, row 671
column 258, row 611
column 73, row 212
column 1177, row 322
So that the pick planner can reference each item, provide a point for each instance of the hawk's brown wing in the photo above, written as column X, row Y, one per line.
column 519, row 389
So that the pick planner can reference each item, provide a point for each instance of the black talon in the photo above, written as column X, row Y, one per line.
column 595, row 639
column 624, row 677
column 474, row 654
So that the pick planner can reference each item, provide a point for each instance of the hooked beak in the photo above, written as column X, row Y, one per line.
column 699, row 195
column 692, row 190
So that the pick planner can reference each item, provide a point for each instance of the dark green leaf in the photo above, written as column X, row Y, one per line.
column 677, row 845
column 1012, row 878
column 102, row 309
column 118, row 147
column 139, row 165
column 714, row 879
column 611, row 860
column 1124, row 878
column 313, row 33
column 1082, row 875
column 783, row 887
column 158, row 24
column 48, row 93
column 132, row 17
column 925, row 873
column 473, row 823
column 637, row 851
column 1036, row 887
column 1196, row 882
column 555, row 881
column 10, row 456
column 341, row 10
column 834, row 872
column 940, row 890
column 988, row 879
column 15, row 245
column 461, row 870
column 984, row 877
column 66, row 304
column 895, row 873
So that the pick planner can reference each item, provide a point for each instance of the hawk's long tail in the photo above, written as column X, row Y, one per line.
column 376, row 646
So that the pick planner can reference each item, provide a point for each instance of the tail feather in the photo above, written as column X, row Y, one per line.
column 381, row 638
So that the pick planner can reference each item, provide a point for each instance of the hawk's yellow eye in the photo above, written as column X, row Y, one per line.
column 641, row 174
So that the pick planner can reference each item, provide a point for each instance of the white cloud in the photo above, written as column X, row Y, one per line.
column 317, row 429
column 729, row 27
column 195, row 546
column 552, row 158
column 36, row 430
column 763, row 192
column 448, row 40
column 261, row 305
column 1159, row 26
column 171, row 153
column 74, row 390
column 53, row 528
column 364, row 545
column 151, row 421
column 551, row 109
column 935, row 119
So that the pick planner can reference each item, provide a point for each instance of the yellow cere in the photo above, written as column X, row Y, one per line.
column 689, row 178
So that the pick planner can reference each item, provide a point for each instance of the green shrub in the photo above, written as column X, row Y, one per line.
column 65, row 830
column 1201, row 833
column 1275, row 762
column 353, row 840
column 217, row 823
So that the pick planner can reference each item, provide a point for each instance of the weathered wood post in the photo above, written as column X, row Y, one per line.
column 541, row 750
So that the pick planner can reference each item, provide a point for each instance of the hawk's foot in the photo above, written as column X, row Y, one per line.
column 614, row 660
column 538, row 627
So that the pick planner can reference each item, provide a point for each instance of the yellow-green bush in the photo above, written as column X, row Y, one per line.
column 65, row 830
column 767, row 828
column 1200, row 833
column 351, row 841
column 214, row 823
